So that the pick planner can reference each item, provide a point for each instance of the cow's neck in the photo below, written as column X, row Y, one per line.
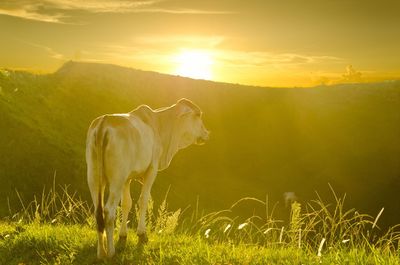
column 168, row 131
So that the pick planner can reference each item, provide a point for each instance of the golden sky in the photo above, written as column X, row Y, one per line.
column 256, row 42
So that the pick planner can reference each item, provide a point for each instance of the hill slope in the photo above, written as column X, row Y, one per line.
column 263, row 141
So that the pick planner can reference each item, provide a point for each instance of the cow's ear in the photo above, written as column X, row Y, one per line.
column 184, row 101
column 184, row 110
column 184, row 107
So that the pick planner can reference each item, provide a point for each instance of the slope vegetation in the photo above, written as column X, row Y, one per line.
column 263, row 140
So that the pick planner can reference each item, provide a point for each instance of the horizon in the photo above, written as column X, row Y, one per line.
column 258, row 44
column 347, row 82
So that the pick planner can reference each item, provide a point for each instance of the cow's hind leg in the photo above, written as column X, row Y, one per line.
column 148, row 181
column 110, row 208
column 101, row 251
column 95, row 192
column 126, row 204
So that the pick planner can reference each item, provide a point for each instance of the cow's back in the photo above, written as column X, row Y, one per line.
column 127, row 144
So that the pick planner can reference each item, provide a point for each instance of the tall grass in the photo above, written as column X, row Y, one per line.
column 56, row 205
column 316, row 227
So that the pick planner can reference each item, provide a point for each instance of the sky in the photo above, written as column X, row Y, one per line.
column 257, row 42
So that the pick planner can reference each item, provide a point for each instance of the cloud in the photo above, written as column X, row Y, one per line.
column 183, row 11
column 52, row 53
column 95, row 6
column 124, row 6
column 162, row 48
column 155, row 49
column 323, row 78
column 25, row 14
column 268, row 59
column 183, row 41
column 30, row 10
column 79, row 55
column 124, row 53
column 351, row 75
column 54, row 11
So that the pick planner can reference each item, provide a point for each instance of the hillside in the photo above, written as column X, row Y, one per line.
column 263, row 141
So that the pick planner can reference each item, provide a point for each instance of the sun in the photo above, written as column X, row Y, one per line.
column 194, row 64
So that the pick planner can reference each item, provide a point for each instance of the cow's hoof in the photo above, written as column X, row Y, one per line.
column 111, row 253
column 102, row 256
column 101, row 253
column 122, row 241
column 143, row 239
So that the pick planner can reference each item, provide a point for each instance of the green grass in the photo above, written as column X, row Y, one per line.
column 58, row 228
column 75, row 244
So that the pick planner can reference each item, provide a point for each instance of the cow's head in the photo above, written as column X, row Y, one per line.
column 192, row 130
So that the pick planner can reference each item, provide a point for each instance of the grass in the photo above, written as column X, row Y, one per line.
column 58, row 228
column 75, row 244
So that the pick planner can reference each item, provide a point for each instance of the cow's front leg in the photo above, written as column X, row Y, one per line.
column 143, row 202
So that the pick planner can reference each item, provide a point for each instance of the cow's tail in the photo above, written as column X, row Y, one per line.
column 100, row 145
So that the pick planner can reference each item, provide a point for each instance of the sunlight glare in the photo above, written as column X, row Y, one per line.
column 194, row 64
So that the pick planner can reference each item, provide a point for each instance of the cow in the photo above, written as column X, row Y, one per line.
column 134, row 145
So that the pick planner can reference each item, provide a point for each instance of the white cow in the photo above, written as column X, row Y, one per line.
column 138, row 144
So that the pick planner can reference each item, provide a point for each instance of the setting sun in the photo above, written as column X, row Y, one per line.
column 194, row 64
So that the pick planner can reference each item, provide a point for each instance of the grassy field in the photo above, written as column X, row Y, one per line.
column 59, row 229
column 75, row 244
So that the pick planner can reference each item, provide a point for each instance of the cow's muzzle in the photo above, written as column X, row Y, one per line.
column 203, row 138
